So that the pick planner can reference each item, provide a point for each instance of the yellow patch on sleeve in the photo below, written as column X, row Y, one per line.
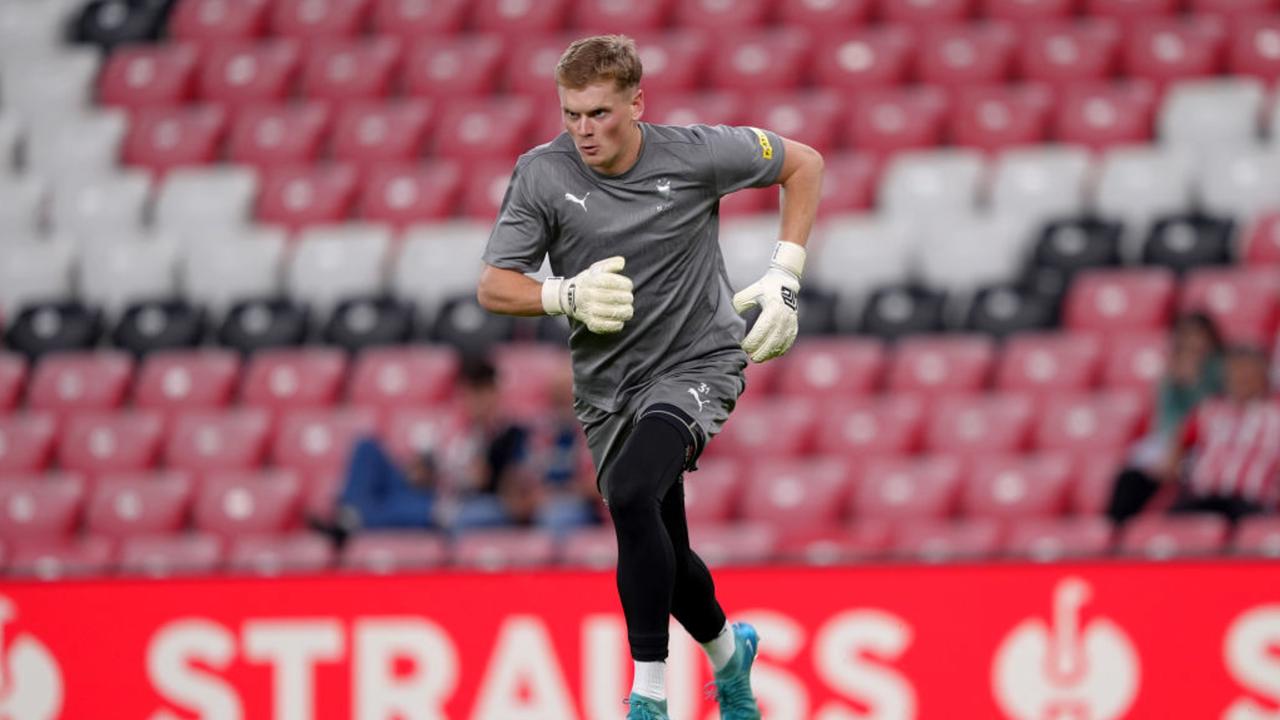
column 766, row 148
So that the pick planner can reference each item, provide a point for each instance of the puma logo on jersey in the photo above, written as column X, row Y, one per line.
column 580, row 200
column 697, row 394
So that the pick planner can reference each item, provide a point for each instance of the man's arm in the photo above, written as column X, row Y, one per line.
column 801, row 181
column 600, row 296
column 508, row 292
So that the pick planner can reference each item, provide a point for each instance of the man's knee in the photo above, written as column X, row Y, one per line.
column 651, row 461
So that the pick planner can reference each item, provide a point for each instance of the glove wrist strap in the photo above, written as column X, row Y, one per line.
column 551, row 296
column 790, row 257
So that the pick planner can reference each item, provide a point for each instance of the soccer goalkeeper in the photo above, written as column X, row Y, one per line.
column 629, row 214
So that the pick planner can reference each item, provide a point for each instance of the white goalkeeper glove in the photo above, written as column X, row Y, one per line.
column 600, row 296
column 778, row 296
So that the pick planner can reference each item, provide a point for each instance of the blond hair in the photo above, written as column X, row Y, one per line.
column 597, row 59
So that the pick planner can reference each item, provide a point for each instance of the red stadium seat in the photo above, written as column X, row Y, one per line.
column 492, row 128
column 238, row 73
column 887, row 120
column 1258, row 536
column 709, row 108
column 953, row 55
column 295, row 196
column 979, row 424
column 1099, row 114
column 1244, row 303
column 484, row 188
column 56, row 559
column 861, row 58
column 793, row 496
column 320, row 441
column 756, row 61
column 403, row 376
column 162, row 556
column 312, row 19
column 925, row 13
column 849, row 182
column 1120, row 300
column 203, row 441
column 45, row 508
column 711, row 492
column 267, row 135
column 26, row 441
column 294, row 378
column 13, row 379
column 232, row 504
column 768, row 428
column 346, row 70
column 1028, row 12
column 186, row 379
column 531, row 65
column 908, row 488
column 1095, row 479
column 1255, row 47
column 595, row 548
column 80, row 381
column 402, row 194
column 206, row 21
column 453, row 67
column 762, row 380
column 1234, row 8
column 674, row 60
column 734, row 544
column 941, row 364
column 868, row 540
column 1100, row 421
column 997, row 117
column 1052, row 539
column 1044, row 363
column 832, row 368
column 1011, row 487
column 1159, row 537
column 1069, row 51
column 606, row 16
column 714, row 16
column 160, row 139
column 936, row 541
column 1136, row 360
column 889, row 424
column 414, row 19
column 388, row 552
column 526, row 372
column 1262, row 246
column 823, row 14
column 410, row 431
column 102, row 442
column 271, row 555
column 518, row 18
column 1131, row 9
column 1167, row 49
column 366, row 133
column 496, row 550
column 139, row 76
column 811, row 117
column 137, row 504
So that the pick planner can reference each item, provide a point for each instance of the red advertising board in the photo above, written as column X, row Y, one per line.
column 1096, row 641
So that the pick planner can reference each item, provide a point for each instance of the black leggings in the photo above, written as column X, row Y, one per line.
column 658, row 573
column 1135, row 488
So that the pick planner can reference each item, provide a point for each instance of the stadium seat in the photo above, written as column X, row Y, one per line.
column 109, row 25
column 1205, row 116
column 1135, row 360
column 514, row 19
column 1130, row 9
column 105, row 442
column 1240, row 182
column 186, row 379
column 474, row 129
column 1098, row 422
column 1184, row 242
column 344, row 70
column 1158, row 537
column 794, row 496
column 448, row 253
column 958, row 252
column 55, row 560
column 204, row 441
column 484, row 187
column 898, row 310
column 149, row 326
column 1138, row 184
column 526, row 372
column 145, row 75
column 1245, row 304
column 1013, row 487
column 1262, row 242
column 41, row 85
column 941, row 364
column 464, row 325
column 673, row 59
column 1100, row 113
column 164, row 556
column 1066, row 246
column 236, row 73
column 111, row 204
column 998, row 117
column 313, row 441
column 809, row 116
column 917, row 488
column 58, row 326
column 401, row 194
column 47, row 508
column 161, row 139
column 595, row 548
column 1062, row 52
column 821, row 16
column 531, row 66
column 34, row 272
column 369, row 132
column 498, row 550
column 12, row 134
column 772, row 427
column 30, row 27
column 219, row 274
column 1254, row 46
column 925, row 14
column 713, row 491
column 25, row 196
column 1095, row 479
column 831, row 368
column 1041, row 184
column 711, row 107
column 331, row 263
column 880, row 425
column 233, row 504
column 867, row 540
column 300, row 195
column 389, row 552
column 936, row 541
column 953, row 55
column 209, row 21
column 1050, row 363
column 1054, row 539
column 935, row 184
column 887, row 120
column 1005, row 308
column 271, row 556
column 980, row 424
column 604, row 16
column 848, row 183
column 1174, row 48
column 1120, row 300
column 13, row 379
column 1258, row 536
column 135, row 504
column 454, row 67
column 715, row 16
column 739, row 543
column 1028, row 13
column 760, row 60
column 367, row 321
column 202, row 201
column 287, row 378
column 115, row 274
column 78, row 382
column 312, row 20
column 398, row 377
column 410, row 431
column 266, row 135
column 256, row 324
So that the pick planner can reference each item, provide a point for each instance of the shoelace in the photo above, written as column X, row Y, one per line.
column 732, row 693
column 644, row 712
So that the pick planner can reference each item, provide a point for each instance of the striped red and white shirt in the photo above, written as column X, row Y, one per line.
column 1236, row 450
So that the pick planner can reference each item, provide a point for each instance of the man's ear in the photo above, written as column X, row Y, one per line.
column 637, row 104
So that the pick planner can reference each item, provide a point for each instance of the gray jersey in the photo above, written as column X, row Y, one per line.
column 662, row 215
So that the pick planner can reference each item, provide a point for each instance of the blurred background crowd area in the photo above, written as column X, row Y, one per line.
column 239, row 241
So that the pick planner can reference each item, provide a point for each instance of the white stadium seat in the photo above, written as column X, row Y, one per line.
column 961, row 253
column 1204, row 116
column 10, row 138
column 1040, row 184
column 1240, row 182
column 217, row 273
column 76, row 145
column 114, row 274
column 48, row 86
column 102, row 205
column 747, row 244
column 437, row 261
column 22, row 203
column 206, row 199
column 1137, row 184
column 932, row 183
column 857, row 252
column 33, row 26
column 34, row 271
column 334, row 262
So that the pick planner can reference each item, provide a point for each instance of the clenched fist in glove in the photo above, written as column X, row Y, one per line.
column 600, row 296
column 778, row 295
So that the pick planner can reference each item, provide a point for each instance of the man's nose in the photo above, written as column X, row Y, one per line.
column 584, row 126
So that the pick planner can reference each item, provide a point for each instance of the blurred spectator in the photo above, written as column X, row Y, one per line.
column 1227, row 457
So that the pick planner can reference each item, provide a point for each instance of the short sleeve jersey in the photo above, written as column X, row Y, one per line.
column 662, row 215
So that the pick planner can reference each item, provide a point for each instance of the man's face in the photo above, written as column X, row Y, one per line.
column 1246, row 378
column 601, row 119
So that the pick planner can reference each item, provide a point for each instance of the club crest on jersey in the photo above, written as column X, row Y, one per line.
column 663, row 186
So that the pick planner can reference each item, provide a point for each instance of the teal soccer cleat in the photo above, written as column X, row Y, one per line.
column 733, row 681
column 643, row 708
